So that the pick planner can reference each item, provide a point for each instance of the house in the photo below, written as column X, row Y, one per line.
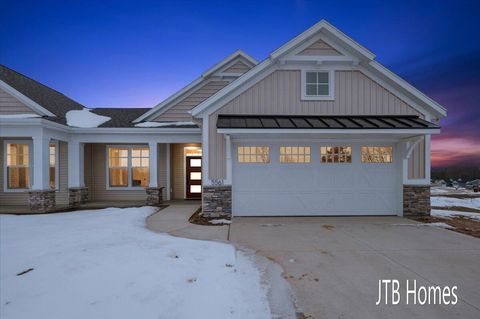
column 319, row 127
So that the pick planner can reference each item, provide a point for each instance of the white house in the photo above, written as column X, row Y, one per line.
column 317, row 128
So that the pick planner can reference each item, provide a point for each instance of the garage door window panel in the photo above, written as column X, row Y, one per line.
column 253, row 154
column 295, row 154
column 377, row 154
column 336, row 154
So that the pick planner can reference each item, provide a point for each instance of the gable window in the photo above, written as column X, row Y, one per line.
column 317, row 85
column 128, row 166
column 253, row 154
column 18, row 166
column 336, row 154
column 294, row 154
column 377, row 154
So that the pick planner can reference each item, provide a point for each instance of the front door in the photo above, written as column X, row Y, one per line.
column 193, row 174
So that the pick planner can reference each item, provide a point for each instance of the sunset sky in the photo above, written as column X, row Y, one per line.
column 136, row 53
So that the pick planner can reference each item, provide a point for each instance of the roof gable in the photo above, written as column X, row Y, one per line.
column 237, row 61
column 40, row 98
column 355, row 54
column 319, row 47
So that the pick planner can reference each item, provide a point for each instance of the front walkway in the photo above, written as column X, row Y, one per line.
column 174, row 221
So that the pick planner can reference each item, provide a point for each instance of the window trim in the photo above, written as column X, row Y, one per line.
column 331, row 85
column 30, row 166
column 129, row 167
column 57, row 164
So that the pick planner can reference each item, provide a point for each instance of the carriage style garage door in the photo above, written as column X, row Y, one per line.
column 340, row 185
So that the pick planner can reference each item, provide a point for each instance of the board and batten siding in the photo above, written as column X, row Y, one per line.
column 179, row 111
column 11, row 105
column 238, row 67
column 95, row 173
column 280, row 93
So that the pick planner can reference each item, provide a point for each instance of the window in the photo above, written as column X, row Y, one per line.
column 336, row 154
column 295, row 154
column 377, row 154
column 317, row 85
column 253, row 154
column 140, row 166
column 53, row 165
column 18, row 170
column 118, row 166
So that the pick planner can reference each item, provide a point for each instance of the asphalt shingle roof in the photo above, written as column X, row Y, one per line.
column 48, row 98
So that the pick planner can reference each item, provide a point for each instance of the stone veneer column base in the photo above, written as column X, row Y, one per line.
column 154, row 196
column 77, row 196
column 41, row 201
column 217, row 202
column 416, row 200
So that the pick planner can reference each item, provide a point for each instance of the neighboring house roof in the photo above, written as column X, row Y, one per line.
column 120, row 117
column 323, row 122
column 365, row 60
column 170, row 101
column 46, row 101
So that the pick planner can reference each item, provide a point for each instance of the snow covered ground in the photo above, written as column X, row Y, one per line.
column 106, row 264
column 438, row 190
column 439, row 201
column 453, row 213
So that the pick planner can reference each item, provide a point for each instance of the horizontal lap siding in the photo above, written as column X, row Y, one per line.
column 280, row 93
column 320, row 48
column 95, row 168
column 179, row 112
column 238, row 67
column 10, row 105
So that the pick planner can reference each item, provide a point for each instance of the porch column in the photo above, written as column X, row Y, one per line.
column 78, row 193
column 75, row 164
column 153, row 164
column 41, row 197
column 41, row 163
column 154, row 193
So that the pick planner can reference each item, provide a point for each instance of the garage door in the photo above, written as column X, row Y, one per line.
column 327, row 179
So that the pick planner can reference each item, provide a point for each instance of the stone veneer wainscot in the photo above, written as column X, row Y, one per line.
column 416, row 200
column 217, row 202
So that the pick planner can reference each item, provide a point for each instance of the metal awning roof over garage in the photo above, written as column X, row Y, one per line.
column 394, row 127
column 350, row 122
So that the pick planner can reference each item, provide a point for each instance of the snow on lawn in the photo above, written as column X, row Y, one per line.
column 106, row 264
column 85, row 118
column 453, row 213
column 439, row 201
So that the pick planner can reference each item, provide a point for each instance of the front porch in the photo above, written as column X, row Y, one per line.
column 50, row 171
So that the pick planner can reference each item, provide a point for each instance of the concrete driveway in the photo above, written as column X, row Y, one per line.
column 334, row 264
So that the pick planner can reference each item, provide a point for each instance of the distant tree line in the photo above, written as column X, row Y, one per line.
column 465, row 173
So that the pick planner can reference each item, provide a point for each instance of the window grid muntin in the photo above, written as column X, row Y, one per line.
column 317, row 83
column 295, row 154
column 253, row 154
column 377, row 154
column 18, row 161
column 335, row 154
column 120, row 158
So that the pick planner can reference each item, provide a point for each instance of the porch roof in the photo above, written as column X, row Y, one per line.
column 323, row 122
